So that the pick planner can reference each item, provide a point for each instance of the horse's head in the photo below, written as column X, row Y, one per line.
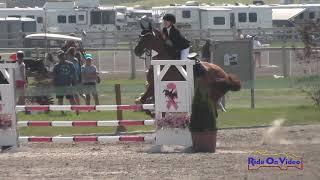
column 149, row 37
column 145, row 42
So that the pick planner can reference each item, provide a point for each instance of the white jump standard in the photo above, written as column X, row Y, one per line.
column 8, row 128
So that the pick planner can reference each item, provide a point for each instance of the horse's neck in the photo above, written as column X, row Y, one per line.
column 159, row 47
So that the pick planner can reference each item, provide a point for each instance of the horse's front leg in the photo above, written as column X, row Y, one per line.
column 150, row 88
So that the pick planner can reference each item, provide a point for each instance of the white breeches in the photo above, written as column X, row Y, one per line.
column 184, row 54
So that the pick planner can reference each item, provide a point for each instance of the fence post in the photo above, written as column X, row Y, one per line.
column 284, row 61
column 119, row 112
column 132, row 62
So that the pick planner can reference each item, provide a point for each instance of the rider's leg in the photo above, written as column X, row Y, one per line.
column 184, row 54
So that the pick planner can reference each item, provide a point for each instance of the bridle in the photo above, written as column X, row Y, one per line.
column 147, row 50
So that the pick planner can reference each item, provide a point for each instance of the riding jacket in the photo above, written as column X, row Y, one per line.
column 178, row 42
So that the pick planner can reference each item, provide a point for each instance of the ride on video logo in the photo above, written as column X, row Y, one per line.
column 283, row 161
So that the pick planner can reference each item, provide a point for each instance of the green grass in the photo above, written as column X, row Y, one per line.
column 279, row 44
column 241, row 117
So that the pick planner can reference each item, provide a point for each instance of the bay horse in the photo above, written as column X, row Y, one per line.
column 213, row 77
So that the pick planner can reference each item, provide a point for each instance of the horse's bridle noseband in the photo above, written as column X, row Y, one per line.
column 146, row 34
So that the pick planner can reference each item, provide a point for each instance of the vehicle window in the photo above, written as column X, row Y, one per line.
column 311, row 15
column 253, row 17
column 16, row 16
column 81, row 17
column 301, row 16
column 40, row 20
column 62, row 19
column 29, row 16
column 242, row 17
column 186, row 14
column 108, row 17
column 95, row 17
column 219, row 21
column 72, row 19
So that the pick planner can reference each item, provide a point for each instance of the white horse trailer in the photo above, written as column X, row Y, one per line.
column 13, row 30
column 187, row 17
column 304, row 12
column 67, row 16
column 217, row 17
column 34, row 13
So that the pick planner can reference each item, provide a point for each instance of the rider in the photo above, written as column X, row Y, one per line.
column 177, row 45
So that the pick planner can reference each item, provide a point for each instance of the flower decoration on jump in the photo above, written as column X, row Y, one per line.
column 173, row 120
column 171, row 95
column 5, row 121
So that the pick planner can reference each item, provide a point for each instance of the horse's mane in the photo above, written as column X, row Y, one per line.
column 158, row 34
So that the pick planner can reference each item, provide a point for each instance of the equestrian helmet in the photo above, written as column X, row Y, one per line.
column 169, row 17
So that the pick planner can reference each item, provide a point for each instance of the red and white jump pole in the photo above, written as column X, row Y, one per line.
column 70, row 139
column 85, row 107
column 107, row 123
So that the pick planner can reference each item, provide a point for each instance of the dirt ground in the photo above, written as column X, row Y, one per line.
column 134, row 161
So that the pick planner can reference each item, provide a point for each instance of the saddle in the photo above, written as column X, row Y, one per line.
column 198, row 69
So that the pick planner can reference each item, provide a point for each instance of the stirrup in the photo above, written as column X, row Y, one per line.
column 192, row 56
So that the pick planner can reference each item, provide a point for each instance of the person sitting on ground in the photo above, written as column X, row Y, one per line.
column 89, row 79
column 71, row 57
column 177, row 45
column 64, row 77
column 21, row 78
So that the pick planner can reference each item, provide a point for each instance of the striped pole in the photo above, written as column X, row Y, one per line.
column 85, row 107
column 105, row 139
column 86, row 123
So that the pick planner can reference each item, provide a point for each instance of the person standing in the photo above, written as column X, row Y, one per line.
column 64, row 77
column 239, row 36
column 257, row 54
column 177, row 45
column 71, row 57
column 21, row 78
column 89, row 79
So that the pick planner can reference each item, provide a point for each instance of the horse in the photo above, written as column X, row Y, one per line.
column 213, row 76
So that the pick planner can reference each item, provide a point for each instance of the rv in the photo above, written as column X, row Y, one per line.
column 13, row 30
column 296, row 13
column 68, row 16
column 218, row 17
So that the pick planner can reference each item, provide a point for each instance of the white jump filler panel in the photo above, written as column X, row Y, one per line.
column 174, row 97
column 8, row 127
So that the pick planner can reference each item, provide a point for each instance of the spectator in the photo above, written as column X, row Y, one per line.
column 89, row 79
column 206, row 51
column 64, row 77
column 257, row 54
column 240, row 36
column 71, row 57
column 69, row 43
column 21, row 78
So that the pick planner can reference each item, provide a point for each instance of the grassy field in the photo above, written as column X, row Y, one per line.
column 274, row 99
column 150, row 3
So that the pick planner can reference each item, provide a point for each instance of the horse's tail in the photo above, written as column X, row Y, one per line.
column 234, row 82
